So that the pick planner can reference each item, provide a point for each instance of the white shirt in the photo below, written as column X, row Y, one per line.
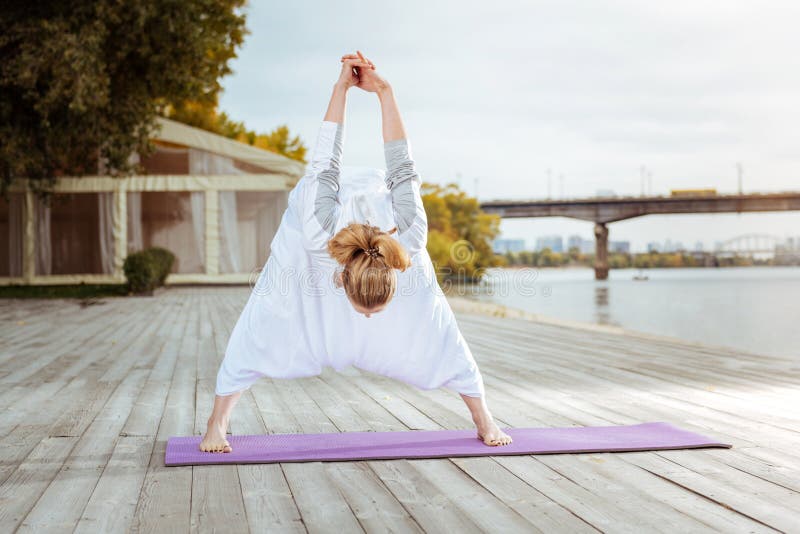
column 297, row 321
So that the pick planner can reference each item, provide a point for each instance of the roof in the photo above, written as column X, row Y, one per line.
column 182, row 134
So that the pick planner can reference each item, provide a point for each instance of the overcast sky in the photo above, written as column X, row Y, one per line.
column 496, row 93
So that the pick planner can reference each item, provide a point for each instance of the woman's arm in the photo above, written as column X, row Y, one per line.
column 404, row 184
column 326, row 160
column 338, row 102
column 390, row 114
column 402, row 178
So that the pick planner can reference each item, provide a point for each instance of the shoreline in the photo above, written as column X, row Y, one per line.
column 612, row 269
column 462, row 304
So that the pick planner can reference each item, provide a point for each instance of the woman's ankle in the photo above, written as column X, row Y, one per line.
column 483, row 417
column 218, row 422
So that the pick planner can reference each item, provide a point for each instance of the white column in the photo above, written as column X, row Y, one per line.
column 120, row 226
column 29, row 239
column 212, row 232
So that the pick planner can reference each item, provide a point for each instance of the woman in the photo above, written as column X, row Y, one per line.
column 348, row 280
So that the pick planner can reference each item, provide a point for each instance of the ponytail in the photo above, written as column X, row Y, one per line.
column 369, row 256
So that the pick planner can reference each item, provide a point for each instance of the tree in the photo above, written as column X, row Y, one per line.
column 207, row 117
column 279, row 140
column 81, row 83
column 460, row 234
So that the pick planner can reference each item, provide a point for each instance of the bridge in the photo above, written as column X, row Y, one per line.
column 605, row 210
column 751, row 244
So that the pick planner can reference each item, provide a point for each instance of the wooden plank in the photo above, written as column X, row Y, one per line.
column 320, row 504
column 19, row 492
column 474, row 502
column 745, row 500
column 165, row 499
column 268, row 501
column 94, row 367
column 433, row 510
column 217, row 503
column 373, row 504
column 113, row 502
column 61, row 505
column 544, row 514
column 638, row 490
column 67, row 413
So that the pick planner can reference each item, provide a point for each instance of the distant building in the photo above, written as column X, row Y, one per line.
column 553, row 242
column 621, row 247
column 653, row 246
column 584, row 246
column 503, row 246
column 673, row 246
column 698, row 247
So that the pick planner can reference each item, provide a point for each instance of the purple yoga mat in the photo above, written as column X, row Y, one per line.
column 274, row 448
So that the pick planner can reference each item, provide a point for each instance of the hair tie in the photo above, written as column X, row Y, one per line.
column 372, row 252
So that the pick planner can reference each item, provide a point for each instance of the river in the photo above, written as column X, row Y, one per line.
column 755, row 309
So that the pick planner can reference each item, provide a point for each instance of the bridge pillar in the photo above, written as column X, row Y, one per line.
column 600, row 251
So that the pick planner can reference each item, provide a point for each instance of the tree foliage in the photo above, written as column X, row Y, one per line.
column 206, row 116
column 460, row 234
column 81, row 83
column 620, row 260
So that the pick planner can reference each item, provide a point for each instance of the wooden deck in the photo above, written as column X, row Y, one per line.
column 90, row 394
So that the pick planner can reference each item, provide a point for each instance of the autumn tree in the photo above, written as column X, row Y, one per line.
column 81, row 83
column 460, row 234
column 208, row 117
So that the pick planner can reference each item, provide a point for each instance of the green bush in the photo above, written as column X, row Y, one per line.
column 164, row 259
column 148, row 269
column 140, row 270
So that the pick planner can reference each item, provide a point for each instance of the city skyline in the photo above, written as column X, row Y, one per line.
column 551, row 100
column 586, row 244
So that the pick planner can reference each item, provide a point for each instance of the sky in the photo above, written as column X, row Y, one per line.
column 497, row 96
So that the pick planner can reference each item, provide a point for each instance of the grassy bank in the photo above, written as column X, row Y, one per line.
column 80, row 291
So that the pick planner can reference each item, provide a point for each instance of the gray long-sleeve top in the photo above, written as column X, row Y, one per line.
column 402, row 180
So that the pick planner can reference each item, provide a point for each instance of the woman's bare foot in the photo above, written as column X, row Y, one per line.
column 488, row 431
column 491, row 435
column 214, row 440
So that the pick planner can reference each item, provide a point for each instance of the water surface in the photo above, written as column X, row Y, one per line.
column 756, row 309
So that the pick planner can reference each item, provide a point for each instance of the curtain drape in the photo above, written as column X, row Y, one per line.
column 16, row 229
column 135, row 236
column 105, row 213
column 230, row 250
column 202, row 162
column 44, row 250
column 198, row 204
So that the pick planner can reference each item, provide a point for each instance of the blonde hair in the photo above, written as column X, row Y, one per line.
column 369, row 256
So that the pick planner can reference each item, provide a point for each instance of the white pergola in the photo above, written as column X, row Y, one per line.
column 273, row 173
